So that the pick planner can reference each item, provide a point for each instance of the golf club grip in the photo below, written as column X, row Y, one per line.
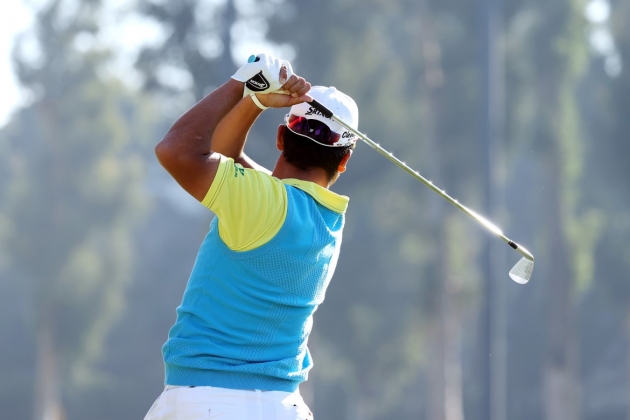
column 321, row 108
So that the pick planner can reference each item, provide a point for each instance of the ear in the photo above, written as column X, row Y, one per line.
column 342, row 165
column 280, row 137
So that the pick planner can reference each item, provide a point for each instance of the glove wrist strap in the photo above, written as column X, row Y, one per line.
column 257, row 102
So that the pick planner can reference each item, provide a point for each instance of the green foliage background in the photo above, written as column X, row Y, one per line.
column 96, row 243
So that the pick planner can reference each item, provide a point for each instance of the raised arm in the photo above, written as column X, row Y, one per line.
column 187, row 151
column 231, row 134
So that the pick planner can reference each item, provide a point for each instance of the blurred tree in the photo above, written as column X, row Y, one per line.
column 400, row 317
column 549, row 62
column 608, row 101
column 615, row 97
column 395, row 310
column 199, row 45
column 72, row 191
column 334, row 42
column 197, row 54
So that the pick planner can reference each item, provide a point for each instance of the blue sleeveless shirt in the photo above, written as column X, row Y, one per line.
column 245, row 317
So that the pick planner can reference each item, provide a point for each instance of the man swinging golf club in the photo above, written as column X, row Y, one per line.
column 238, row 349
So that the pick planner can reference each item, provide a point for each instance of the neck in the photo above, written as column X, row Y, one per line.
column 285, row 170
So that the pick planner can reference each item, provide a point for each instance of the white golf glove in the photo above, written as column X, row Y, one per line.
column 261, row 74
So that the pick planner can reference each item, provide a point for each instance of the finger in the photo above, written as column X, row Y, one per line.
column 291, row 82
column 301, row 88
column 289, row 68
column 304, row 89
column 299, row 100
column 284, row 72
column 295, row 85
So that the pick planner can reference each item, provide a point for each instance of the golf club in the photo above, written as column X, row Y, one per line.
column 520, row 273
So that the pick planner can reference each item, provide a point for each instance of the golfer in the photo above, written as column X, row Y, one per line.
column 238, row 349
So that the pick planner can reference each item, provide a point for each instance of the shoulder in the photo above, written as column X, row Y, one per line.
column 232, row 179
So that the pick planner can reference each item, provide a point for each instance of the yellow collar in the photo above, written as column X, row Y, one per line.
column 330, row 200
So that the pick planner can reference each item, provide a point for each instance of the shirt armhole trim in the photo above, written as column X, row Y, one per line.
column 217, row 183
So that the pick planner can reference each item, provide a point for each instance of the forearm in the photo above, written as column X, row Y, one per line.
column 231, row 133
column 191, row 134
column 187, row 150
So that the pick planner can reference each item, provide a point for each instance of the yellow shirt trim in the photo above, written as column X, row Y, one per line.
column 251, row 205
column 219, row 178
column 325, row 197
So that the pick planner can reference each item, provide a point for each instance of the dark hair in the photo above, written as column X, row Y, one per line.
column 306, row 154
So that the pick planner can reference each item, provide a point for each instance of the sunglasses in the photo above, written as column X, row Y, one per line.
column 313, row 129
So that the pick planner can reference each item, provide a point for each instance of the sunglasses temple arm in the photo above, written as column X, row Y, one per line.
column 479, row 219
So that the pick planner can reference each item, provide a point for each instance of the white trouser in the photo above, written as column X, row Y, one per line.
column 210, row 403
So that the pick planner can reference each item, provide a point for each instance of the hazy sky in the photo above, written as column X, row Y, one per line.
column 14, row 18
column 118, row 24
column 124, row 32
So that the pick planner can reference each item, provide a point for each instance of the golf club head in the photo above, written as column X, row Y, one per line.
column 522, row 271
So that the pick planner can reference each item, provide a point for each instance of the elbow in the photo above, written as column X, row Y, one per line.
column 161, row 150
column 165, row 152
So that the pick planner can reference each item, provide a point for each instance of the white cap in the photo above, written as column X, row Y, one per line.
column 340, row 104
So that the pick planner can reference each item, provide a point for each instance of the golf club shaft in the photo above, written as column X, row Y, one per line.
column 481, row 220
